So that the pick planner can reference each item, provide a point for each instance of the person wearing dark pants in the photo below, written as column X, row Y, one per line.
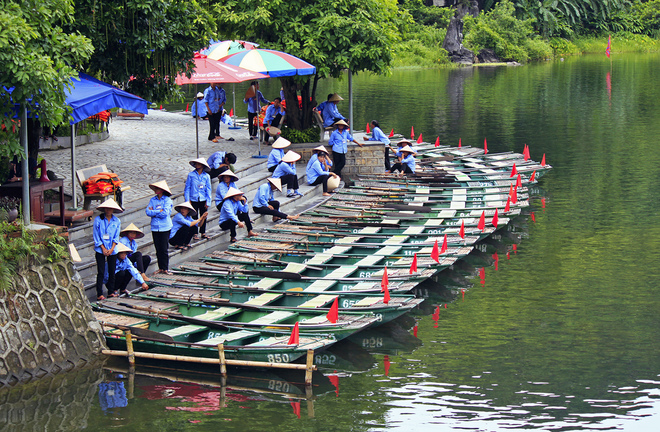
column 159, row 210
column 220, row 162
column 273, row 117
column 286, row 172
column 198, row 191
column 234, row 203
column 184, row 227
column 406, row 163
column 125, row 271
column 214, row 100
column 253, row 107
column 339, row 142
column 315, row 173
column 106, row 237
column 128, row 237
column 264, row 202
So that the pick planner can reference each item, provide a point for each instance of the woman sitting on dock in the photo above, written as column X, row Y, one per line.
column 339, row 143
column 276, row 154
column 159, row 210
column 233, row 205
column 226, row 181
column 377, row 134
column 264, row 202
column 286, row 172
column 316, row 174
column 184, row 227
column 106, row 237
column 128, row 237
column 406, row 162
column 125, row 271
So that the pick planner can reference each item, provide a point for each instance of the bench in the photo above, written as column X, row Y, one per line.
column 319, row 121
column 84, row 174
column 130, row 114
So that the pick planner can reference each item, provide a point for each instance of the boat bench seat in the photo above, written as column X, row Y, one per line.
column 185, row 330
column 229, row 337
column 263, row 299
column 318, row 301
column 320, row 285
column 319, row 319
column 218, row 313
column 273, row 317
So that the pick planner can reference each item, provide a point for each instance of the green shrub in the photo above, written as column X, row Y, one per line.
column 538, row 49
column 563, row 47
column 305, row 136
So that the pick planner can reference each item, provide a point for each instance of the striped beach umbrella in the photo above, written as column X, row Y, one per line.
column 270, row 62
column 217, row 50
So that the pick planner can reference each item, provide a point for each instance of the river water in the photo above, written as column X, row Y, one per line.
column 562, row 335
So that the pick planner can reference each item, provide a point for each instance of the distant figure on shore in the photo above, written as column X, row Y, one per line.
column 106, row 237
column 286, row 172
column 377, row 133
column 253, row 107
column 339, row 142
column 273, row 118
column 125, row 271
column 159, row 210
column 406, row 162
column 219, row 162
column 265, row 203
column 233, row 212
column 214, row 99
column 331, row 114
column 316, row 171
column 277, row 153
column 198, row 191
column 127, row 237
column 184, row 227
column 199, row 107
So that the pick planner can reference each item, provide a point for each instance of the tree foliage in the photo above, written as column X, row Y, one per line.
column 333, row 35
column 144, row 44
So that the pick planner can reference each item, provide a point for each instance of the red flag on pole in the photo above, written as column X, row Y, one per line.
column 514, row 171
column 462, row 230
column 419, row 139
column 413, row 265
column 435, row 254
column 531, row 179
column 485, row 146
column 543, row 160
column 608, row 50
column 443, row 249
column 526, row 152
column 384, row 281
column 412, row 132
column 495, row 219
column 391, row 133
column 436, row 314
column 514, row 195
column 368, row 130
column 294, row 339
column 333, row 313
column 507, row 207
column 482, row 221
column 437, row 142
column 459, row 143
column 519, row 181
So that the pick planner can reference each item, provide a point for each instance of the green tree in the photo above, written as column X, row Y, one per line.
column 38, row 58
column 144, row 44
column 333, row 35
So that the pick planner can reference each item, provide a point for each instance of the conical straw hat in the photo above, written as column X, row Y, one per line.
column 228, row 173
column 335, row 98
column 341, row 122
column 333, row 183
column 291, row 156
column 121, row 247
column 408, row 149
column 275, row 182
column 322, row 149
column 233, row 192
column 281, row 143
column 161, row 185
column 110, row 204
column 186, row 204
column 132, row 227
column 202, row 161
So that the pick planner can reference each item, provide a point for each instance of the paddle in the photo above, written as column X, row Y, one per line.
column 262, row 273
column 140, row 332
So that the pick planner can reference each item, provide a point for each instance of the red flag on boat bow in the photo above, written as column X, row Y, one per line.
column 412, row 132
column 443, row 249
column 514, row 171
column 495, row 219
column 294, row 339
column 482, row 221
column 485, row 146
column 413, row 265
column 333, row 313
column 391, row 133
column 435, row 254
column 462, row 231
column 437, row 142
column 419, row 139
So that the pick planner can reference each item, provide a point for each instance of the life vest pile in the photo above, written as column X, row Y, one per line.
column 102, row 183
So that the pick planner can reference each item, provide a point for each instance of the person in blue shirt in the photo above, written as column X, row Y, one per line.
column 322, row 105
column 316, row 174
column 184, row 227
column 159, row 210
column 214, row 99
column 127, row 237
column 272, row 118
column 286, row 172
column 406, row 162
column 220, row 162
column 198, row 191
column 339, row 142
column 226, row 181
column 106, row 237
column 253, row 108
column 199, row 107
column 397, row 152
column 377, row 134
column 125, row 271
column 277, row 153
column 331, row 114
column 264, row 202
column 234, row 203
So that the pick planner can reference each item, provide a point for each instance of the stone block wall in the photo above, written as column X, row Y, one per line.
column 46, row 324
column 368, row 159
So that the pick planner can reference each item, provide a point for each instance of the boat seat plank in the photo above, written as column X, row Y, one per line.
column 340, row 272
column 266, row 283
column 318, row 301
column 368, row 301
column 433, row 222
column 395, row 240
column 423, row 190
column 319, row 319
column 364, row 286
column 369, row 230
column 273, row 317
column 369, row 261
column 388, row 250
column 337, row 250
column 229, row 337
column 348, row 240
column 183, row 330
column 320, row 285
column 321, row 258
column 447, row 214
column 218, row 313
column 390, row 221
column 263, row 299
column 294, row 267
column 413, row 230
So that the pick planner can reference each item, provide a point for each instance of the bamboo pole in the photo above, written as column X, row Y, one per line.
column 309, row 367
column 309, row 395
column 129, row 348
column 223, row 361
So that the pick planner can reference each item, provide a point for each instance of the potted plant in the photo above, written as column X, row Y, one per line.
column 9, row 208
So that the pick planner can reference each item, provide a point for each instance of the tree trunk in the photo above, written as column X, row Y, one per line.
column 296, row 117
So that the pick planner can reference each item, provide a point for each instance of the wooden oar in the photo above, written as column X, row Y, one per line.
column 140, row 332
column 262, row 273
column 269, row 260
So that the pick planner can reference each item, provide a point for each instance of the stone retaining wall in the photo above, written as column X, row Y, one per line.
column 46, row 324
column 368, row 159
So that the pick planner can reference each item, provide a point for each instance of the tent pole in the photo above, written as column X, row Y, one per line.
column 25, row 168
column 350, row 99
column 73, row 168
column 196, row 121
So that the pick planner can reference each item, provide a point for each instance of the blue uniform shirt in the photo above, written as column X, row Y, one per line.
column 274, row 157
column 252, row 102
column 314, row 170
column 339, row 140
column 215, row 98
column 330, row 113
column 130, row 243
column 378, row 135
column 126, row 264
column 159, row 210
column 215, row 160
column 264, row 194
column 271, row 112
column 198, row 187
column 321, row 106
column 199, row 106
column 178, row 221
column 221, row 191
column 410, row 161
column 283, row 169
column 229, row 210
column 106, row 232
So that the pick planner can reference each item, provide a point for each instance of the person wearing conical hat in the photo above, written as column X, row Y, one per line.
column 339, row 142
column 316, row 174
column 322, row 105
column 286, row 172
column 330, row 112
column 159, row 210
column 397, row 152
column 406, row 164
column 184, row 227
column 125, row 271
column 233, row 205
column 326, row 164
column 277, row 153
column 264, row 202
column 220, row 162
column 198, row 191
column 106, row 237
column 273, row 117
column 199, row 108
column 140, row 261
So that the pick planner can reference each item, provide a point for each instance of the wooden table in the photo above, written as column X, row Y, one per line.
column 37, row 190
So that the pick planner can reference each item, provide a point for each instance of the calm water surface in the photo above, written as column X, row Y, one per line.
column 564, row 335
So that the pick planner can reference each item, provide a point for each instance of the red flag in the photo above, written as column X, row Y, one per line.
column 413, row 265
column 482, row 221
column 443, row 249
column 368, row 130
column 437, row 142
column 419, row 139
column 231, row 112
column 496, row 257
column 531, row 179
column 543, row 202
column 415, row 330
column 515, row 248
column 543, row 160
column 391, row 133
column 383, row 287
column 333, row 313
column 435, row 255
column 386, row 364
column 436, row 314
column 514, row 171
column 187, row 106
column 508, row 255
column 386, row 297
column 294, row 339
column 482, row 275
column 161, row 107
column 526, row 152
column 412, row 132
column 334, row 380
column 507, row 207
column 533, row 218
column 496, row 219
column 485, row 146
column 608, row 50
column 519, row 181
column 463, row 294
column 514, row 195
column 459, row 143
column 462, row 230
column 296, row 408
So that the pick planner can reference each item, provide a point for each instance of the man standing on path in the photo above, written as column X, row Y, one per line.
column 214, row 99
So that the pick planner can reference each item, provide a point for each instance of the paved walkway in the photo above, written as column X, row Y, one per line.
column 156, row 148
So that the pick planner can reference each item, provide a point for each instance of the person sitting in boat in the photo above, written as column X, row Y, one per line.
column 233, row 205
column 226, row 181
column 125, row 271
column 198, row 191
column 406, row 162
column 273, row 117
column 220, row 162
column 184, row 227
column 339, row 142
column 264, row 202
column 127, row 237
column 106, row 231
column 377, row 133
column 286, row 172
column 331, row 114
column 315, row 172
column 277, row 153
column 397, row 152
